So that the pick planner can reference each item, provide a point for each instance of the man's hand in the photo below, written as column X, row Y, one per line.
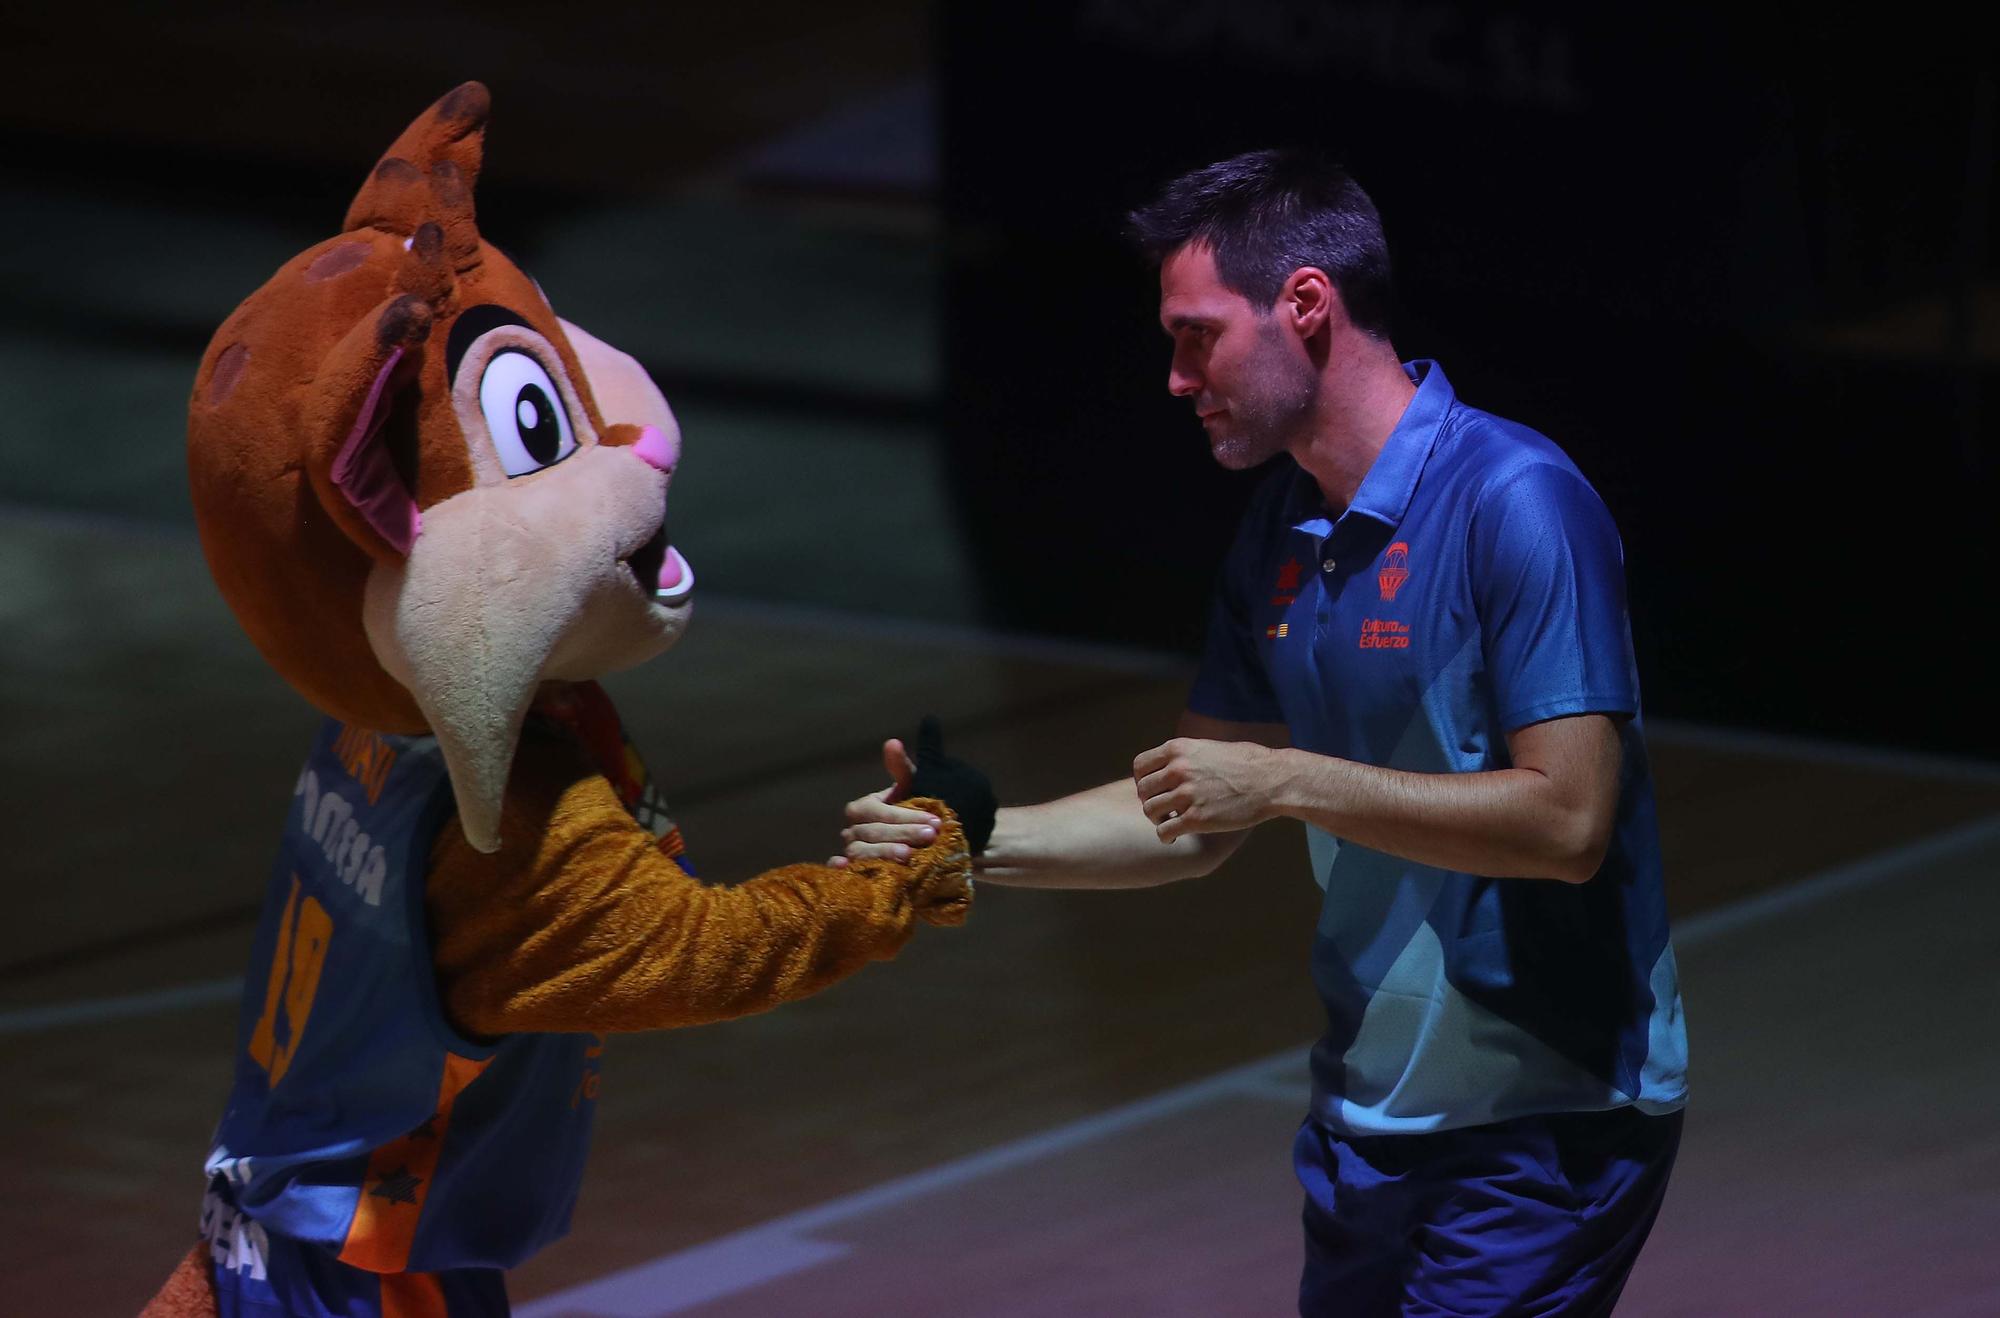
column 1194, row 786
column 878, row 828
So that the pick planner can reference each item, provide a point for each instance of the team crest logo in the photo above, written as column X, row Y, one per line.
column 1395, row 569
column 1287, row 588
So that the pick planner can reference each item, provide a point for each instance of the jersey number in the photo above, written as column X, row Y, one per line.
column 303, row 933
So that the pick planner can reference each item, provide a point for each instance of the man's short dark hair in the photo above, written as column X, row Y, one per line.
column 1266, row 213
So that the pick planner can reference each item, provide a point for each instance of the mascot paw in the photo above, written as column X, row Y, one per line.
column 943, row 889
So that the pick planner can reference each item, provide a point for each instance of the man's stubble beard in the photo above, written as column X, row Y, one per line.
column 1271, row 408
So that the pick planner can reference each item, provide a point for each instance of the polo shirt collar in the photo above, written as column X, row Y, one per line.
column 1386, row 490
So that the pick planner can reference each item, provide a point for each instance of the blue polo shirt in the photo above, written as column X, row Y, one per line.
column 1474, row 586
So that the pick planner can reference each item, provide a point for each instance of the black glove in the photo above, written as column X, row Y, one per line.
column 965, row 789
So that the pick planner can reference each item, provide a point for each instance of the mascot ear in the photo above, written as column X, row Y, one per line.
column 430, row 173
column 352, row 469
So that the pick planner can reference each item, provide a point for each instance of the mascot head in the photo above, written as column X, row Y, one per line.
column 422, row 492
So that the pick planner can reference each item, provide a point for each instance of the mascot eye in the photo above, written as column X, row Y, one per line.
column 529, row 427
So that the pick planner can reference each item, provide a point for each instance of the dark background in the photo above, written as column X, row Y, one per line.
column 1736, row 262
column 1733, row 261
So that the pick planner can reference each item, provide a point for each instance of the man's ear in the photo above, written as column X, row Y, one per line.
column 1309, row 300
column 348, row 459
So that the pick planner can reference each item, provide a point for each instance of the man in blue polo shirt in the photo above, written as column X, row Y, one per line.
column 1419, row 647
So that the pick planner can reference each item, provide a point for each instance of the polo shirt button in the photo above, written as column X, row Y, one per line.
column 1327, row 565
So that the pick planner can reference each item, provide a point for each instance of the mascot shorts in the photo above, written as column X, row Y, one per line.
column 1541, row 1215
column 304, row 1281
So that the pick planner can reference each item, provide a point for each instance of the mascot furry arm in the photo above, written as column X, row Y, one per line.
column 439, row 511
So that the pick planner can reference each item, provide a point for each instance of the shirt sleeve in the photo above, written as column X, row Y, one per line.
column 1548, row 579
column 1232, row 682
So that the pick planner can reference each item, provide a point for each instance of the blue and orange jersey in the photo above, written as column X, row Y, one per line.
column 361, row 1125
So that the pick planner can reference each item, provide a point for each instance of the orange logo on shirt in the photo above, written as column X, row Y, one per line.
column 1395, row 569
column 1287, row 586
column 1384, row 634
column 366, row 757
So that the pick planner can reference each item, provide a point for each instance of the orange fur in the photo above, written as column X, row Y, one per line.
column 580, row 924
column 189, row 1291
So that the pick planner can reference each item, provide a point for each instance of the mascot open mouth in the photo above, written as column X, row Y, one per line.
column 661, row 571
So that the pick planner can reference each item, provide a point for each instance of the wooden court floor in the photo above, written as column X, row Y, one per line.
column 1838, row 1159
column 146, row 756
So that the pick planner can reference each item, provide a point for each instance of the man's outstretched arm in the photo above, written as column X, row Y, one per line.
column 1099, row 838
column 1549, row 816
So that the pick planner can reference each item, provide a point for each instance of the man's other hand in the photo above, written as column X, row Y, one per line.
column 1189, row 785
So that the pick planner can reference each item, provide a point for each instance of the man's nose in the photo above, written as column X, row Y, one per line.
column 1182, row 383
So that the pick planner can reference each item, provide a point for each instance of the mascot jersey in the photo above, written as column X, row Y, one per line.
column 362, row 1126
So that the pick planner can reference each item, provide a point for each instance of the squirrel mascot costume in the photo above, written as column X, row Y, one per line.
column 439, row 510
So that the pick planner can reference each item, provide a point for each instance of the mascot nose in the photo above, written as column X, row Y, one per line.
column 658, row 450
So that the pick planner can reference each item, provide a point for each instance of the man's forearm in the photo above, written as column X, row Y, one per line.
column 1094, row 839
column 1504, row 823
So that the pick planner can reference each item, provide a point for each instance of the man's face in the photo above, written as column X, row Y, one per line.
column 1249, row 378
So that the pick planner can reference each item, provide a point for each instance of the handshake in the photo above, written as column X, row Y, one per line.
column 879, row 828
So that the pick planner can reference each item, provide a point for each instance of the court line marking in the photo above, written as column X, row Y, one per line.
column 1688, row 932
column 91, row 1011
column 1917, row 764
column 681, row 1280
column 756, row 1256
column 1136, row 660
column 1717, row 921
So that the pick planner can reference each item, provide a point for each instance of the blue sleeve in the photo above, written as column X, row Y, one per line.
column 1548, row 579
column 1231, row 682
